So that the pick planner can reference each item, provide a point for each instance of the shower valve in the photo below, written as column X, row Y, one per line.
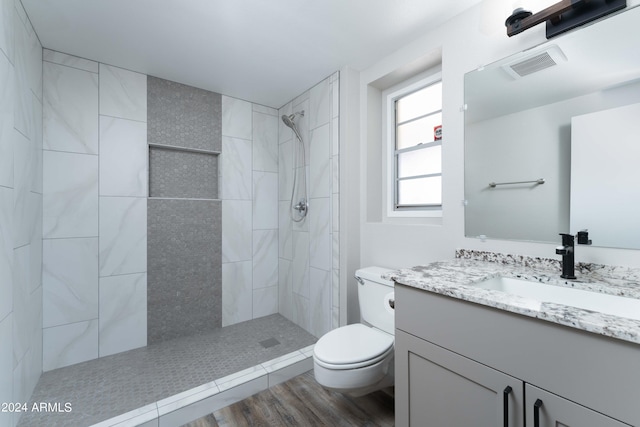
column 301, row 206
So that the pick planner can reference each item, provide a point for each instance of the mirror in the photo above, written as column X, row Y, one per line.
column 526, row 116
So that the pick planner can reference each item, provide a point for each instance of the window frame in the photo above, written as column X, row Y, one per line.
column 390, row 98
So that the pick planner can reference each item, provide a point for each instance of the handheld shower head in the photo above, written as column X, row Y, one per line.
column 288, row 120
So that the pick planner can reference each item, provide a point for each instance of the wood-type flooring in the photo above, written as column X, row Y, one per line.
column 301, row 401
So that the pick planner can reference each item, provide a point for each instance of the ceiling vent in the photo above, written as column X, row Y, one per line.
column 539, row 61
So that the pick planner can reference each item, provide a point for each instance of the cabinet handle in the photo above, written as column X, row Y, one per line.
column 536, row 413
column 505, row 405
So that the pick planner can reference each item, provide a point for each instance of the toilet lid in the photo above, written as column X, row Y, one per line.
column 352, row 344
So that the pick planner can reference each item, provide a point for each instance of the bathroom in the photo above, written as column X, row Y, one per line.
column 355, row 230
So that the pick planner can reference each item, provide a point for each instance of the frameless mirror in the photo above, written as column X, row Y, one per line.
column 550, row 139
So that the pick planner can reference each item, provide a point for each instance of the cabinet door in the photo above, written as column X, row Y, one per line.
column 436, row 387
column 545, row 409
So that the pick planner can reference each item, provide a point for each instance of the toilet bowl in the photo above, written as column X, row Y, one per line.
column 358, row 359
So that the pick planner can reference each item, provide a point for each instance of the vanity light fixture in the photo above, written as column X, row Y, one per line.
column 562, row 16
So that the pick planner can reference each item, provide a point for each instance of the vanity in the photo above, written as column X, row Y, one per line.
column 470, row 351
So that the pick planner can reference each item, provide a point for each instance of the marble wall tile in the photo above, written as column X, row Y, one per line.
column 237, row 292
column 265, row 200
column 23, row 120
column 265, row 301
column 265, row 258
column 236, row 230
column 123, row 93
column 70, row 195
column 320, row 301
column 6, row 366
column 69, row 344
column 335, row 174
column 6, row 120
column 22, row 172
column 6, row 251
column 236, row 118
column 320, row 234
column 335, row 288
column 123, row 235
column 235, row 169
column 320, row 164
column 34, row 61
column 319, row 104
column 123, row 313
column 70, row 280
column 335, row 136
column 69, row 60
column 265, row 142
column 70, row 110
column 335, row 250
column 35, row 183
column 285, row 170
column 285, row 288
column 285, row 236
column 35, row 243
column 300, row 269
column 264, row 110
column 335, row 94
column 123, row 157
column 22, row 308
column 6, row 29
column 301, row 311
column 302, row 225
column 335, row 212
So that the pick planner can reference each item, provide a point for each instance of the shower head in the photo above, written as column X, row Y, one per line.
column 288, row 120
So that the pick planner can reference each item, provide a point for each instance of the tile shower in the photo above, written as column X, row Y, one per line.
column 74, row 187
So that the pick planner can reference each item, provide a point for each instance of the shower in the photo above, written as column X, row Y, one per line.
column 299, row 157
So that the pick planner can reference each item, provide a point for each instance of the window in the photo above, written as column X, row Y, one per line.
column 416, row 142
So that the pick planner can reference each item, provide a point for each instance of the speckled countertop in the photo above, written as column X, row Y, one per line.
column 455, row 278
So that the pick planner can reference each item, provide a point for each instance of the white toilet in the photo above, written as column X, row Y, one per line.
column 358, row 359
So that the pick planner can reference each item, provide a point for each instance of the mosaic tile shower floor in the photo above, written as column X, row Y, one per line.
column 103, row 388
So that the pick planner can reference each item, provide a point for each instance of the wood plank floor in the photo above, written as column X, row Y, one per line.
column 301, row 401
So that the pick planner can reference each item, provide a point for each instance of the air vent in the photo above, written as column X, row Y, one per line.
column 540, row 61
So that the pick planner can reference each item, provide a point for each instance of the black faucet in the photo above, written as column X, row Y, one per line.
column 567, row 251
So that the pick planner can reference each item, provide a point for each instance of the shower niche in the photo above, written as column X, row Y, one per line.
column 184, row 295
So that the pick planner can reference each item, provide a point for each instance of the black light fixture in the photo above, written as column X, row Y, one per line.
column 562, row 16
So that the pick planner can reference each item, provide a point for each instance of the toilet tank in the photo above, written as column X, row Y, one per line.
column 374, row 297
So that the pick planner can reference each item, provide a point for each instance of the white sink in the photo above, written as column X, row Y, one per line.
column 594, row 301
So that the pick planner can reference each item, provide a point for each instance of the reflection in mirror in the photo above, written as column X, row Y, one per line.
column 518, row 127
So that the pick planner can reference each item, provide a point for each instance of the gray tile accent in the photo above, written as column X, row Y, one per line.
column 183, row 116
column 103, row 388
column 184, row 262
column 182, row 174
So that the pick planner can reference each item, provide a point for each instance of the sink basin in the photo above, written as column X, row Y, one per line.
column 594, row 301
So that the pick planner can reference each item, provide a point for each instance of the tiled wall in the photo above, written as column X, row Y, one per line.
column 249, row 192
column 184, row 213
column 309, row 250
column 94, row 210
column 20, row 207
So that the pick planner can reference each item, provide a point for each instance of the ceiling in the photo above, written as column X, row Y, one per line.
column 266, row 52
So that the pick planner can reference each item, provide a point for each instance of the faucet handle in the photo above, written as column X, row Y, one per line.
column 583, row 237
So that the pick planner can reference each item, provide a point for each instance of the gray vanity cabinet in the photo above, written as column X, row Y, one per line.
column 455, row 359
column 446, row 389
column 555, row 411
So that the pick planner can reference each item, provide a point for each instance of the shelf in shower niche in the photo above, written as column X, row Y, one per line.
column 184, row 198
column 187, row 149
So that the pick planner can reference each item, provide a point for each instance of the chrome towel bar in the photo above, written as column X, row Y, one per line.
column 536, row 181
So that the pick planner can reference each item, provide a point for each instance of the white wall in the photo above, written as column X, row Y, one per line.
column 466, row 43
column 20, row 208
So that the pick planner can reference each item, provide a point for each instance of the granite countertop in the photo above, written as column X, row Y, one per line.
column 453, row 278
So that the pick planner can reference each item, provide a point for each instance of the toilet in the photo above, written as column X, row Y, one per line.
column 358, row 359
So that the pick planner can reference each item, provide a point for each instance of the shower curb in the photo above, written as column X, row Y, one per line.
column 199, row 401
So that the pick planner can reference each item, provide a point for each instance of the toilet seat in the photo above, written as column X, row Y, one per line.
column 352, row 346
